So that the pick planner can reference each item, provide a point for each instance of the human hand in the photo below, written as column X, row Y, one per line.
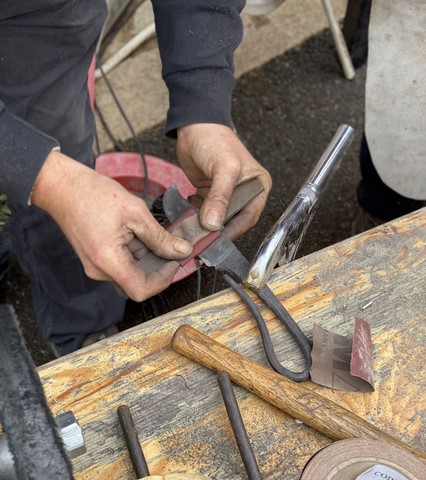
column 108, row 227
column 215, row 161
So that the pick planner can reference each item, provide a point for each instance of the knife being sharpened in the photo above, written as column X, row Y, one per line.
column 185, row 222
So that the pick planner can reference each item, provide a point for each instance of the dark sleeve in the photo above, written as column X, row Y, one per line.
column 197, row 39
column 23, row 150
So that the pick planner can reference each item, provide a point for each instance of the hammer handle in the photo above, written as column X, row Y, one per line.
column 314, row 410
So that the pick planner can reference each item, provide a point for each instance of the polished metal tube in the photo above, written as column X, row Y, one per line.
column 331, row 159
column 286, row 235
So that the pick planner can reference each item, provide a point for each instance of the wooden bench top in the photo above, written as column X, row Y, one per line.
column 177, row 405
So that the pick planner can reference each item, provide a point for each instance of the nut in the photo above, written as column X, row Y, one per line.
column 72, row 434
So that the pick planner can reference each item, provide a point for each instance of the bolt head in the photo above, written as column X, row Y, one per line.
column 72, row 434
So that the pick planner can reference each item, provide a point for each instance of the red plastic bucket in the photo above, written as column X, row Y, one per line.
column 91, row 82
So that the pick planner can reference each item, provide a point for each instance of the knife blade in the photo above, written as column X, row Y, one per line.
column 187, row 224
column 224, row 256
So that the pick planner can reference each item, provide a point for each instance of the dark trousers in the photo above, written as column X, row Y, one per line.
column 377, row 198
column 52, row 44
column 4, row 256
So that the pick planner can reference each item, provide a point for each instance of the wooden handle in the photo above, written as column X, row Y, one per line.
column 314, row 410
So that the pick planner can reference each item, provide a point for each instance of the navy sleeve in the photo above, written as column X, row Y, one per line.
column 197, row 40
column 23, row 151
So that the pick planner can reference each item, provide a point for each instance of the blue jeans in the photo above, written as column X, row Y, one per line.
column 53, row 47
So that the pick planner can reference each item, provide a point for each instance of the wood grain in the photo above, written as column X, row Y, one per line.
column 177, row 405
column 318, row 412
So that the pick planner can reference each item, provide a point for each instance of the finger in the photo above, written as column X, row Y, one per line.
column 152, row 284
column 159, row 240
column 137, row 248
column 160, row 280
column 122, row 270
column 213, row 210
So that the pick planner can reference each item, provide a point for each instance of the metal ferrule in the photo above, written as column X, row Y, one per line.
column 283, row 240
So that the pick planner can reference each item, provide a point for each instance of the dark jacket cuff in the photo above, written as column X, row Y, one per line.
column 199, row 96
column 23, row 151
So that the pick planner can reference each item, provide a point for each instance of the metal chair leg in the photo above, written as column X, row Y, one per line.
column 339, row 41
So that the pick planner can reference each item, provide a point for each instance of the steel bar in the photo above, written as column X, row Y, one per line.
column 339, row 41
column 238, row 427
column 132, row 441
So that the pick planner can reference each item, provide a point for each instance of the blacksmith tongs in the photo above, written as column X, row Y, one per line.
column 216, row 250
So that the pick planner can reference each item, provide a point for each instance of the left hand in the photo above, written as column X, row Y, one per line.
column 108, row 227
column 215, row 161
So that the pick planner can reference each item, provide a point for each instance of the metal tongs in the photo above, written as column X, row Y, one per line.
column 281, row 244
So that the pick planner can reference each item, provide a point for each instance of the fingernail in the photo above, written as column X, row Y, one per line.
column 183, row 247
column 213, row 219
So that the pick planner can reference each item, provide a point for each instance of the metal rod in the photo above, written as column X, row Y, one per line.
column 143, row 36
column 238, row 427
column 132, row 441
column 330, row 160
column 289, row 229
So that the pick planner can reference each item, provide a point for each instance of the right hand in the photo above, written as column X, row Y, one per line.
column 216, row 161
column 107, row 226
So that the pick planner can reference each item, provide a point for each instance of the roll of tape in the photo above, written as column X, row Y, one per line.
column 347, row 459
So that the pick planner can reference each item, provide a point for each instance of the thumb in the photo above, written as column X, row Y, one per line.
column 160, row 241
column 213, row 210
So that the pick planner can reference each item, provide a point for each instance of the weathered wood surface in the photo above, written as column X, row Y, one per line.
column 177, row 404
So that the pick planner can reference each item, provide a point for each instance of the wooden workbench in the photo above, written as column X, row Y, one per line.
column 177, row 404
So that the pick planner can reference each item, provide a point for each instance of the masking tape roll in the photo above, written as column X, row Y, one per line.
column 347, row 459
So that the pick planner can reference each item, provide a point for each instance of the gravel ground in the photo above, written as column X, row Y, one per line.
column 285, row 112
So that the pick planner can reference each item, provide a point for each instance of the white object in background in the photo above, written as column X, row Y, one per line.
column 263, row 7
column 339, row 41
column 395, row 119
column 142, row 37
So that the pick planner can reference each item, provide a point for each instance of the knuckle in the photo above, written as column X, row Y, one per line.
column 161, row 238
column 221, row 198
column 93, row 272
